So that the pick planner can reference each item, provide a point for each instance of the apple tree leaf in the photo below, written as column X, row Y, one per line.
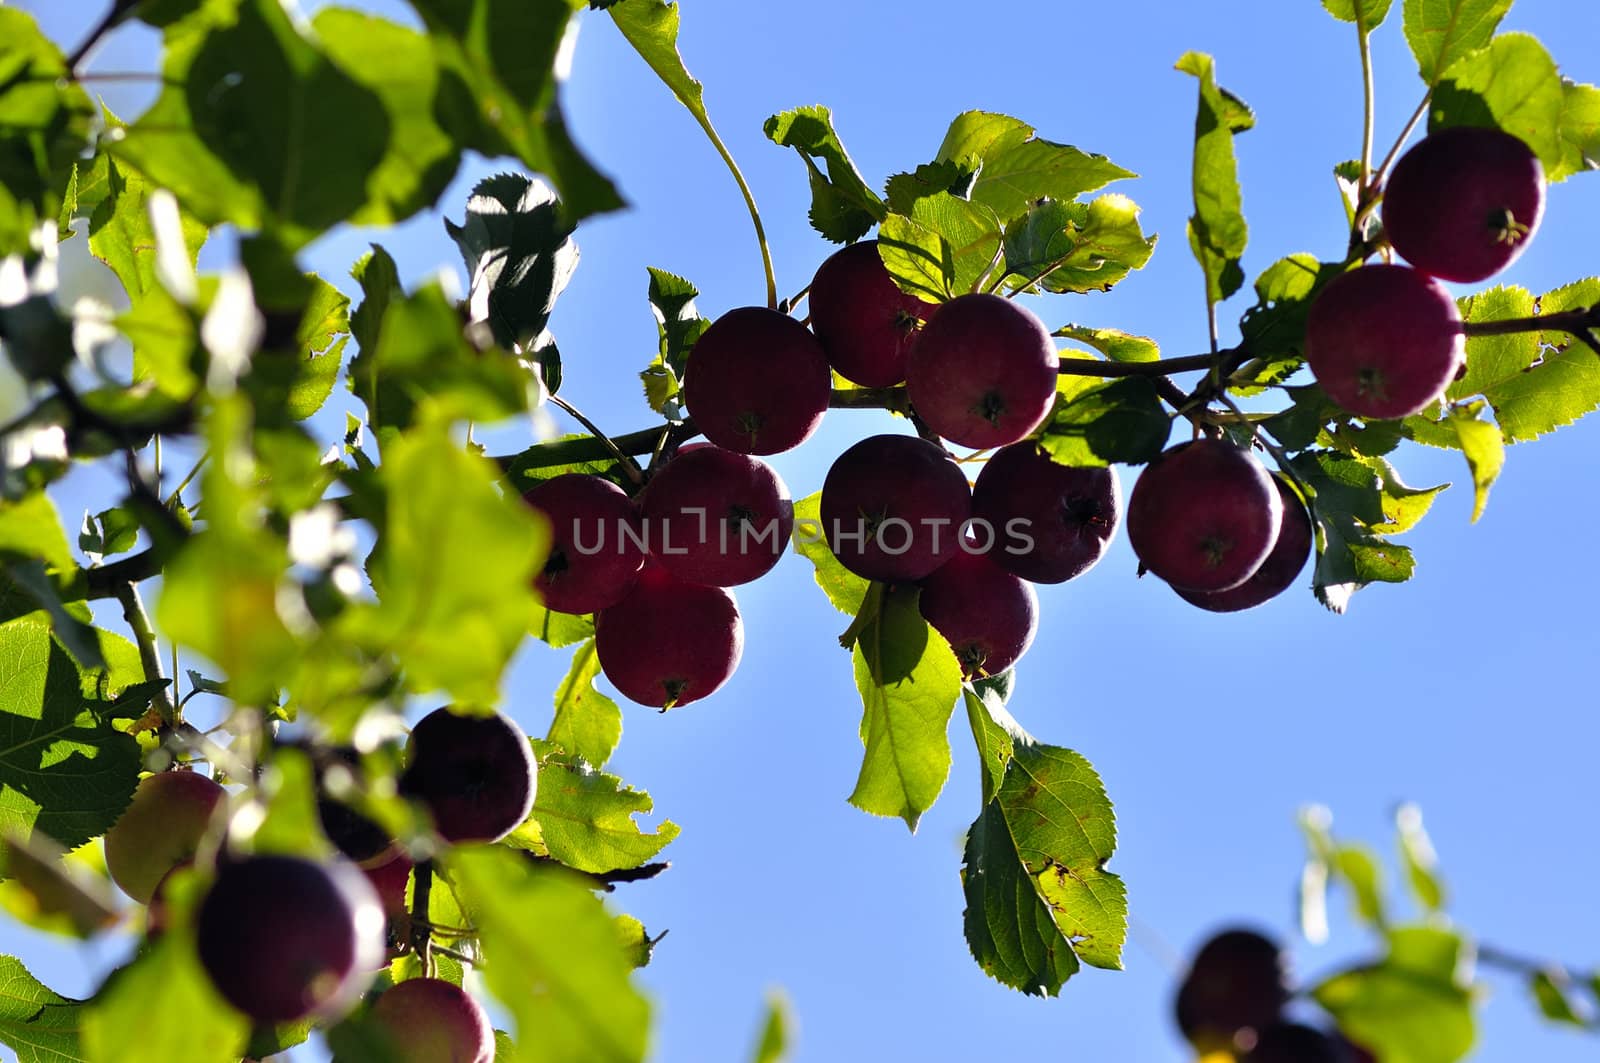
column 909, row 682
column 1442, row 31
column 1097, row 423
column 584, row 818
column 587, row 724
column 1217, row 230
column 46, row 119
column 1414, row 1005
column 1015, row 168
column 843, row 206
column 553, row 957
column 678, row 325
column 1368, row 15
column 1464, row 428
column 39, row 1025
column 943, row 248
column 1116, row 345
column 844, row 588
column 1039, row 900
column 1076, row 247
column 165, row 995
column 1512, row 85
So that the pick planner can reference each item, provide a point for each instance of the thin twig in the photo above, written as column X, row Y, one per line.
column 144, row 637
column 1368, row 105
column 603, row 880
column 118, row 9
column 629, row 466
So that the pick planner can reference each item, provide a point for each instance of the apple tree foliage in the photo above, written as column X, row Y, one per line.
column 284, row 128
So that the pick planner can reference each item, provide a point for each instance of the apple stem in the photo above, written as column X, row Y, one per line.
column 1363, row 34
column 629, row 466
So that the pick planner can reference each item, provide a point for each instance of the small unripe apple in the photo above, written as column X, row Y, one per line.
column 988, row 615
column 867, row 325
column 595, row 542
column 669, row 642
column 1067, row 514
column 1464, row 202
column 1204, row 515
column 757, row 381
column 430, row 1020
column 1277, row 572
column 893, row 507
column 285, row 938
column 983, row 373
column 474, row 773
column 170, row 813
column 717, row 517
column 1384, row 341
column 1235, row 983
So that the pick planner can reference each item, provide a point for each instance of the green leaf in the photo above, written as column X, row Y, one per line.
column 499, row 90
column 1512, row 84
column 1442, row 31
column 1116, row 345
column 167, row 997
column 679, row 325
column 65, row 770
column 1418, row 857
column 904, row 189
column 453, row 617
column 1413, row 1006
column 637, row 944
column 1580, row 130
column 256, row 125
column 553, row 958
column 519, row 253
column 121, row 232
column 414, row 353
column 1403, row 505
column 585, row 818
column 30, row 528
column 166, row 344
column 1039, row 899
column 1016, row 168
column 1347, row 504
column 1076, row 247
column 844, row 588
column 1368, row 15
column 587, row 724
column 994, row 730
column 44, row 126
column 1462, row 428
column 943, row 248
column 843, row 207
column 1217, row 231
column 1097, row 423
column 40, row 1026
column 302, row 346
column 1362, row 872
column 909, row 682
column 560, row 629
column 1551, row 993
column 1275, row 328
column 400, row 68
column 773, row 1044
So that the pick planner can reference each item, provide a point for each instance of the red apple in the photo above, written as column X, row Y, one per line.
column 1277, row 572
column 596, row 542
column 1290, row 1042
column 170, row 813
column 474, row 773
column 757, row 382
column 669, row 642
column 1204, row 515
column 988, row 615
column 430, row 1020
column 717, row 517
column 893, row 507
column 284, row 938
column 1464, row 202
column 1384, row 341
column 1049, row 522
column 867, row 325
column 1236, row 983
column 983, row 372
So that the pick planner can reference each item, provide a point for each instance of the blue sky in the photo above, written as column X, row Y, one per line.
column 1462, row 691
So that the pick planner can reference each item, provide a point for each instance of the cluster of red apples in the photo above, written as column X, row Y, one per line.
column 1233, row 1001
column 285, row 938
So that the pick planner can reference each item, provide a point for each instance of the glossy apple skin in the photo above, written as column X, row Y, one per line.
column 430, row 1020
column 988, row 615
column 1235, row 983
column 1204, row 515
column 475, row 774
column 1463, row 203
column 1290, row 1042
column 596, row 542
column 757, row 382
column 983, row 372
column 1384, row 341
column 669, row 642
column 894, row 477
column 284, row 938
column 1070, row 513
column 1277, row 573
column 866, row 324
column 717, row 517
column 160, row 829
